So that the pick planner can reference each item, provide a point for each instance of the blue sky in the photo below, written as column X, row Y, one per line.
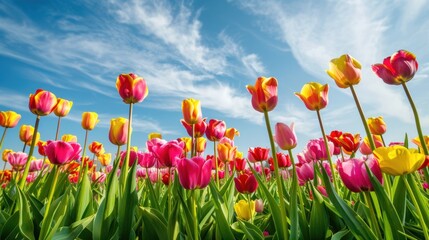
column 208, row 50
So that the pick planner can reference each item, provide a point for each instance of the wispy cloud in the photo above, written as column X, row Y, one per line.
column 14, row 100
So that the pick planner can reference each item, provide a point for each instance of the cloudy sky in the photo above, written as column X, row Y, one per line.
column 208, row 50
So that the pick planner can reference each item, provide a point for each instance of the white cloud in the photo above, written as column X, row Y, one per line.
column 13, row 100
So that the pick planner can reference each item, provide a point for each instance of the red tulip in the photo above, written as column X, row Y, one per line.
column 200, row 128
column 264, row 94
column 246, row 183
column 258, row 154
column 215, row 130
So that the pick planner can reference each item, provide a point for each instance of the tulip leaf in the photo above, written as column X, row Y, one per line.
column 127, row 204
column 343, row 234
column 25, row 223
column 154, row 224
column 358, row 227
column 74, row 230
column 55, row 216
column 422, row 201
column 293, row 209
column 84, row 196
column 10, row 229
column 319, row 221
column 251, row 231
column 221, row 222
column 399, row 197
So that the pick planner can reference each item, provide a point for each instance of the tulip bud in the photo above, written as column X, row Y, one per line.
column 89, row 120
column 118, row 132
column 9, row 119
column 63, row 107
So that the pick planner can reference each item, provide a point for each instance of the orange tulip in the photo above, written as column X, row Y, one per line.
column 131, row 88
column 9, row 119
column 118, row 132
column 377, row 126
column 96, row 148
column 231, row 133
column 345, row 70
column 201, row 144
column 63, row 108
column 69, row 138
column 191, row 110
column 264, row 94
column 89, row 120
column 226, row 150
column 314, row 95
column 416, row 141
column 42, row 102
column 105, row 159
column 41, row 147
column 26, row 134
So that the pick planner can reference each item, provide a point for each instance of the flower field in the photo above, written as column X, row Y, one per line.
column 341, row 186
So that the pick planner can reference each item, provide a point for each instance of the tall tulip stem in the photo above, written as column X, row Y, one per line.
column 362, row 116
column 2, row 137
column 83, row 156
column 216, row 163
column 48, row 204
column 284, row 223
column 373, row 218
column 417, row 119
column 125, row 167
column 30, row 154
column 194, row 215
column 328, row 154
column 58, row 128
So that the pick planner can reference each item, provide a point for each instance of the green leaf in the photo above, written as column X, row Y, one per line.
column 25, row 223
column 155, row 222
column 221, row 222
column 127, row 203
column 358, row 227
column 319, row 221
column 55, row 217
column 251, row 231
column 74, row 230
column 293, row 208
column 10, row 229
column 84, row 197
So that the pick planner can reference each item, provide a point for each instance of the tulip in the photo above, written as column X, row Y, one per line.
column 226, row 150
column 376, row 125
column 333, row 137
column 5, row 154
column 199, row 128
column 365, row 148
column 9, row 119
column 231, row 133
column 244, row 210
column 26, row 134
column 317, row 151
column 42, row 102
column 147, row 160
column 257, row 154
column 314, row 95
column 191, row 110
column 63, row 108
column 69, row 138
column 60, row 152
column 305, row 172
column 416, row 141
column 36, row 165
column 246, row 183
column 105, row 159
column 283, row 161
column 96, row 148
column 89, row 120
column 17, row 160
column 201, row 145
column 285, row 136
column 98, row 177
column 187, row 143
column 398, row 68
column 239, row 164
column 354, row 175
column 118, row 132
column 349, row 142
column 397, row 160
column 259, row 205
column 131, row 88
column 135, row 155
column 153, row 135
column 154, row 144
column 345, row 70
column 169, row 153
column 264, row 94
column 194, row 173
column 215, row 130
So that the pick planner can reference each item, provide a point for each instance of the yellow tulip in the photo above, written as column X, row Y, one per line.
column 188, row 143
column 191, row 110
column 118, row 132
column 63, row 107
column 231, row 133
column 9, row 119
column 153, row 135
column 6, row 154
column 345, row 70
column 416, row 141
column 105, row 159
column 26, row 134
column 314, row 95
column 69, row 138
column 89, row 120
column 243, row 210
column 397, row 160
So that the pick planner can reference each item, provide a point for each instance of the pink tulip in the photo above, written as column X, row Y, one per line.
column 305, row 172
column 98, row 177
column 354, row 175
column 31, row 177
column 285, row 136
column 194, row 172
column 59, row 152
column 316, row 149
column 259, row 205
column 134, row 156
column 141, row 173
column 147, row 160
column 398, row 68
column 42, row 102
column 131, row 88
column 169, row 153
column 154, row 144
column 36, row 165
column 17, row 160
column 215, row 130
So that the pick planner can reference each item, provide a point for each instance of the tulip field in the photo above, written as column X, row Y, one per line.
column 340, row 186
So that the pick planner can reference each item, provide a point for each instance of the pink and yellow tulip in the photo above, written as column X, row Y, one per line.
column 131, row 88
column 345, row 70
column 42, row 102
column 398, row 68
column 264, row 94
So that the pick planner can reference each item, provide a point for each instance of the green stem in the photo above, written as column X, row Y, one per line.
column 373, row 218
column 125, row 167
column 82, row 162
column 51, row 194
column 249, row 200
column 58, row 128
column 23, row 148
column 195, row 217
column 328, row 153
column 284, row 224
column 30, row 154
column 416, row 205
column 362, row 116
column 193, row 141
column 382, row 140
column 169, row 192
column 2, row 138
column 216, row 163
column 417, row 119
